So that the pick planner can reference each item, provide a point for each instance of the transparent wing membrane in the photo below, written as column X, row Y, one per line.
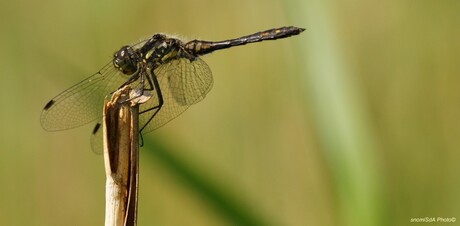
column 189, row 82
column 81, row 103
column 182, row 83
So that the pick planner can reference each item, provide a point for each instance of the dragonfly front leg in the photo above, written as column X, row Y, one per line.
column 131, row 79
column 139, row 91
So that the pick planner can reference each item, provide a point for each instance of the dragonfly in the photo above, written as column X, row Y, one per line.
column 168, row 68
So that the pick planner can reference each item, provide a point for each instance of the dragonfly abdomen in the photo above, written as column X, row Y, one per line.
column 201, row 47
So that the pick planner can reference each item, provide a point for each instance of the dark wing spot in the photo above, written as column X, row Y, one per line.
column 96, row 128
column 49, row 104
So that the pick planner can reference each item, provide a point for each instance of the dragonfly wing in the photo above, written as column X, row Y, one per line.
column 96, row 138
column 81, row 103
column 182, row 83
column 190, row 81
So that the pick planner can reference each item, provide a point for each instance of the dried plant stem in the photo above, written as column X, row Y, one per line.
column 121, row 158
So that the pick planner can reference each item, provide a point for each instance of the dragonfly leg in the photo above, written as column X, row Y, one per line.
column 142, row 88
column 156, row 86
column 131, row 79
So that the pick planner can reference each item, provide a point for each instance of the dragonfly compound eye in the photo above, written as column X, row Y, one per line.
column 125, row 60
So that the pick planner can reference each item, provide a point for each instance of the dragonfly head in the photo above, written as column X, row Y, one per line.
column 126, row 60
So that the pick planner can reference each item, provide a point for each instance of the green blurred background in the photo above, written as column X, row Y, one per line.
column 353, row 122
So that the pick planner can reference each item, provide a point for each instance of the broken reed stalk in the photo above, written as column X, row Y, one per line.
column 121, row 158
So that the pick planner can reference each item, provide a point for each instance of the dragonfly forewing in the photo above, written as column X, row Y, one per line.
column 81, row 103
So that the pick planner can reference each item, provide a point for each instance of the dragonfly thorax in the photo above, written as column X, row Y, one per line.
column 126, row 60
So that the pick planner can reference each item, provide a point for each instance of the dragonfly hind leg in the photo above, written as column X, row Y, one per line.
column 153, row 82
